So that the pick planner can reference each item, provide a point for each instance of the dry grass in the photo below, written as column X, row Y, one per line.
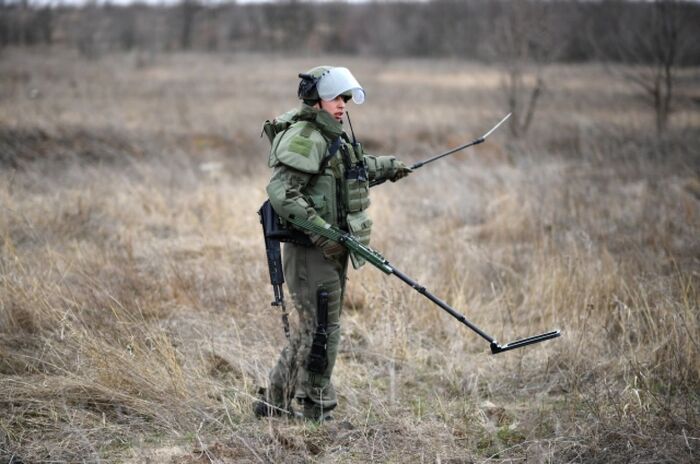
column 134, row 303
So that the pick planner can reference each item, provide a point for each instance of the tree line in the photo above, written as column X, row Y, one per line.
column 545, row 31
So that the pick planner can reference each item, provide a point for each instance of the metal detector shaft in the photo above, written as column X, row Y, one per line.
column 380, row 262
column 423, row 291
column 449, row 152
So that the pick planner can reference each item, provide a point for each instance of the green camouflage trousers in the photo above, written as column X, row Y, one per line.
column 306, row 272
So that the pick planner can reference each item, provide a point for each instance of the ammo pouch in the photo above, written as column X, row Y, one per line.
column 356, row 190
column 360, row 226
column 356, row 185
column 277, row 229
column 318, row 358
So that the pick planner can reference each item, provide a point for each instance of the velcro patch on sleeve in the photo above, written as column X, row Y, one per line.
column 301, row 146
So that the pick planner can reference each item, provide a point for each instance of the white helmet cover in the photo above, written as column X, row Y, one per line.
column 337, row 81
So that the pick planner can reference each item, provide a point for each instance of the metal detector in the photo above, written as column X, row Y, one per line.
column 495, row 346
column 380, row 262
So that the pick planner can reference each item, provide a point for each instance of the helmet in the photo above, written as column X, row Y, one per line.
column 327, row 82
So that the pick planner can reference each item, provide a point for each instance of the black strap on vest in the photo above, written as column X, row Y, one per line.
column 332, row 150
column 357, row 170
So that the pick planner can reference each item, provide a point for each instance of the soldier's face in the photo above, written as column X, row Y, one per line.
column 335, row 107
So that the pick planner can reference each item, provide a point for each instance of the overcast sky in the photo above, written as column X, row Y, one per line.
column 160, row 2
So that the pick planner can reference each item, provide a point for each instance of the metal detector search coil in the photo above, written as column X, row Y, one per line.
column 496, row 348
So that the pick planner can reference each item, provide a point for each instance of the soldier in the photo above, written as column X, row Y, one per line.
column 319, row 174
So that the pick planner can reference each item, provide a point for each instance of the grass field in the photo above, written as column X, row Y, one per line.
column 135, row 318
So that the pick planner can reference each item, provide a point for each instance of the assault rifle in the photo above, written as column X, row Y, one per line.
column 379, row 261
column 273, row 236
column 449, row 152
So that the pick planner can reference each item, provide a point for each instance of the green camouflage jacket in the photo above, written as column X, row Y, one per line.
column 310, row 182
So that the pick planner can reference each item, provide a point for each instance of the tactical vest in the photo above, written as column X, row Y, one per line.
column 339, row 187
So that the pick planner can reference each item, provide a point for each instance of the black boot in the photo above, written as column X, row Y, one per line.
column 315, row 413
column 262, row 407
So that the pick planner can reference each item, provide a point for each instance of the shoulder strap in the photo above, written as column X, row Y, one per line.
column 307, row 130
column 332, row 150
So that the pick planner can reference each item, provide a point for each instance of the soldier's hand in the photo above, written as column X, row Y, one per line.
column 329, row 248
column 400, row 170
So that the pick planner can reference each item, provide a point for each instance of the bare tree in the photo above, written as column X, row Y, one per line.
column 665, row 44
column 651, row 41
column 88, row 33
column 523, row 43
column 188, row 11
column 522, row 35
